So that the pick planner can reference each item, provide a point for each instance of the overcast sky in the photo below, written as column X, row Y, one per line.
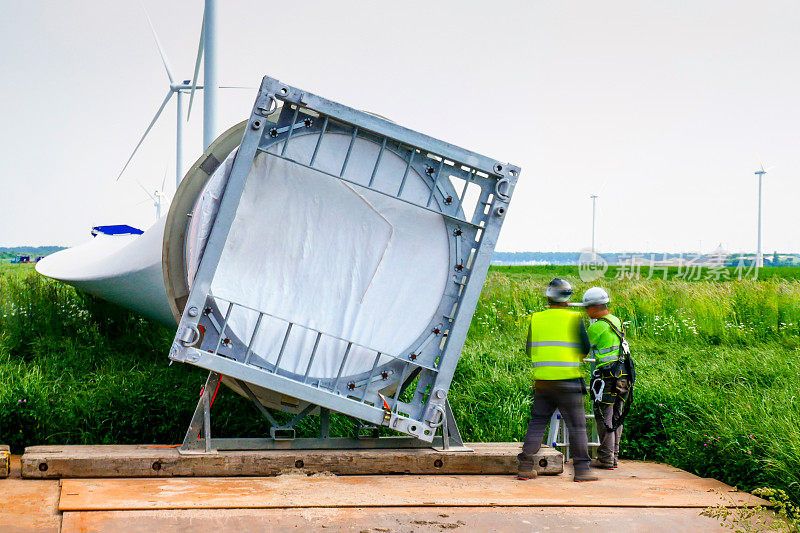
column 660, row 106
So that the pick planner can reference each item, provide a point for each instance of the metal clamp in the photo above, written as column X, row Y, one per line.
column 195, row 335
column 435, row 423
column 273, row 106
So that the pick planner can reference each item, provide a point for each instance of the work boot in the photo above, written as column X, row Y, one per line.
column 586, row 475
column 597, row 463
column 526, row 468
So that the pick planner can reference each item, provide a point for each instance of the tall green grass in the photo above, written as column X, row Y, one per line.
column 719, row 372
column 675, row 311
column 718, row 364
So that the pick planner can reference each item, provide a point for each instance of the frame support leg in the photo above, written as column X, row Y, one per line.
column 324, row 423
column 201, row 420
column 451, row 436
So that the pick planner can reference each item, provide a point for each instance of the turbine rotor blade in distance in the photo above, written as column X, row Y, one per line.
column 164, row 181
column 158, row 44
column 197, row 65
column 760, row 162
column 158, row 113
column 139, row 183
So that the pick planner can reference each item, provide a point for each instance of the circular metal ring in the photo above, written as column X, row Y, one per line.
column 500, row 194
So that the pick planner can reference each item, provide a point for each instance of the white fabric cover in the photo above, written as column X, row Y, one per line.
column 315, row 251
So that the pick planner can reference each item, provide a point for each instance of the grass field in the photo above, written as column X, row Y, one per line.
column 718, row 367
column 718, row 363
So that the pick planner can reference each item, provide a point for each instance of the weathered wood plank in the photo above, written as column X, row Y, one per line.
column 300, row 491
column 148, row 461
column 399, row 519
column 5, row 460
column 29, row 506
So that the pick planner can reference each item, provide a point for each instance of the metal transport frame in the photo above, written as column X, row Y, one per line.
column 408, row 393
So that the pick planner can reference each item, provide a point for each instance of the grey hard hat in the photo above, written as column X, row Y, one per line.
column 559, row 290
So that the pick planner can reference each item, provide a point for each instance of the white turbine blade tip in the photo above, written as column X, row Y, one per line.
column 158, row 45
column 197, row 65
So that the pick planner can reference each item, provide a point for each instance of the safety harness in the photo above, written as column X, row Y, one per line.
column 608, row 375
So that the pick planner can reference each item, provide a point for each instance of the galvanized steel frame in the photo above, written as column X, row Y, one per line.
column 428, row 364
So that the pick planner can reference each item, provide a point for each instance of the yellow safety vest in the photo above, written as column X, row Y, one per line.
column 553, row 344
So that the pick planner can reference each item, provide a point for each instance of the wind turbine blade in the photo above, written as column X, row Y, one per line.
column 143, row 201
column 760, row 162
column 164, row 181
column 139, row 183
column 158, row 44
column 769, row 168
column 197, row 65
column 158, row 113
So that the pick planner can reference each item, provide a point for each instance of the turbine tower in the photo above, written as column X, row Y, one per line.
column 760, row 173
column 207, row 51
column 211, row 82
column 594, row 219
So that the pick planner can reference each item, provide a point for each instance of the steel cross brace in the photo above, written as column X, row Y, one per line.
column 198, row 436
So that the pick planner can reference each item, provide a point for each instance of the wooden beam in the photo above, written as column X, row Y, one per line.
column 5, row 460
column 154, row 461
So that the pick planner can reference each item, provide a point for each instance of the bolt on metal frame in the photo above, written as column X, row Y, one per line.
column 470, row 191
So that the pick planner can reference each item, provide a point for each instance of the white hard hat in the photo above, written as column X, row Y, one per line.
column 595, row 296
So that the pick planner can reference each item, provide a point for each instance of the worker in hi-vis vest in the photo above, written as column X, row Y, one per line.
column 557, row 343
column 610, row 378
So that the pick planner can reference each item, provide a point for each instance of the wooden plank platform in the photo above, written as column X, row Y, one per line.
column 33, row 505
column 5, row 457
column 296, row 491
column 50, row 462
column 394, row 520
column 29, row 506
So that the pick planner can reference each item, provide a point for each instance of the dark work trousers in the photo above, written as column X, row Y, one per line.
column 608, row 452
column 567, row 396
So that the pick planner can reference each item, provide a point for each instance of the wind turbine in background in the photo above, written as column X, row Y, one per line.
column 207, row 47
column 594, row 198
column 760, row 173
column 157, row 196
